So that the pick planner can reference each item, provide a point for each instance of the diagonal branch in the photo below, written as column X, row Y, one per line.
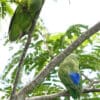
column 59, row 58
column 23, row 55
column 21, row 61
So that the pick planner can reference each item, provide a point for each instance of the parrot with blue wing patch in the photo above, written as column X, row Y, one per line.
column 21, row 21
column 69, row 75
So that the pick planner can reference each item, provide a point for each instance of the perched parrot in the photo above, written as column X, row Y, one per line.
column 69, row 75
column 21, row 21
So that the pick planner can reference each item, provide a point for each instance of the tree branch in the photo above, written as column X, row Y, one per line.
column 91, row 81
column 91, row 90
column 47, row 97
column 59, row 94
column 86, row 77
column 22, row 59
column 59, row 58
column 13, row 96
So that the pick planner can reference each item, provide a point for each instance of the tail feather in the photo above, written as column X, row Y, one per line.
column 75, row 94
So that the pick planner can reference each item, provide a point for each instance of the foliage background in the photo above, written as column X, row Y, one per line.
column 43, row 48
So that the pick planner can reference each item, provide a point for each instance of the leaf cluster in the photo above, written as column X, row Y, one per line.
column 43, row 48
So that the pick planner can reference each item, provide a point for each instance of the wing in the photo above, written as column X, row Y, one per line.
column 74, row 90
column 20, row 23
column 75, row 77
column 23, row 18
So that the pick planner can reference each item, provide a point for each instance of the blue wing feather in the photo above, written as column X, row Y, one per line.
column 75, row 77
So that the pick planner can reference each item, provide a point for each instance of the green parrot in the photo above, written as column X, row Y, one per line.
column 69, row 75
column 23, row 17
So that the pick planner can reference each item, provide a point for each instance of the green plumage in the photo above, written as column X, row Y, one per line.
column 70, row 65
column 22, row 19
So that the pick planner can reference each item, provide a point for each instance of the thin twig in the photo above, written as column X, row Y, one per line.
column 92, row 84
column 48, row 97
column 86, row 77
column 91, row 90
column 91, row 81
column 23, row 55
column 22, row 59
